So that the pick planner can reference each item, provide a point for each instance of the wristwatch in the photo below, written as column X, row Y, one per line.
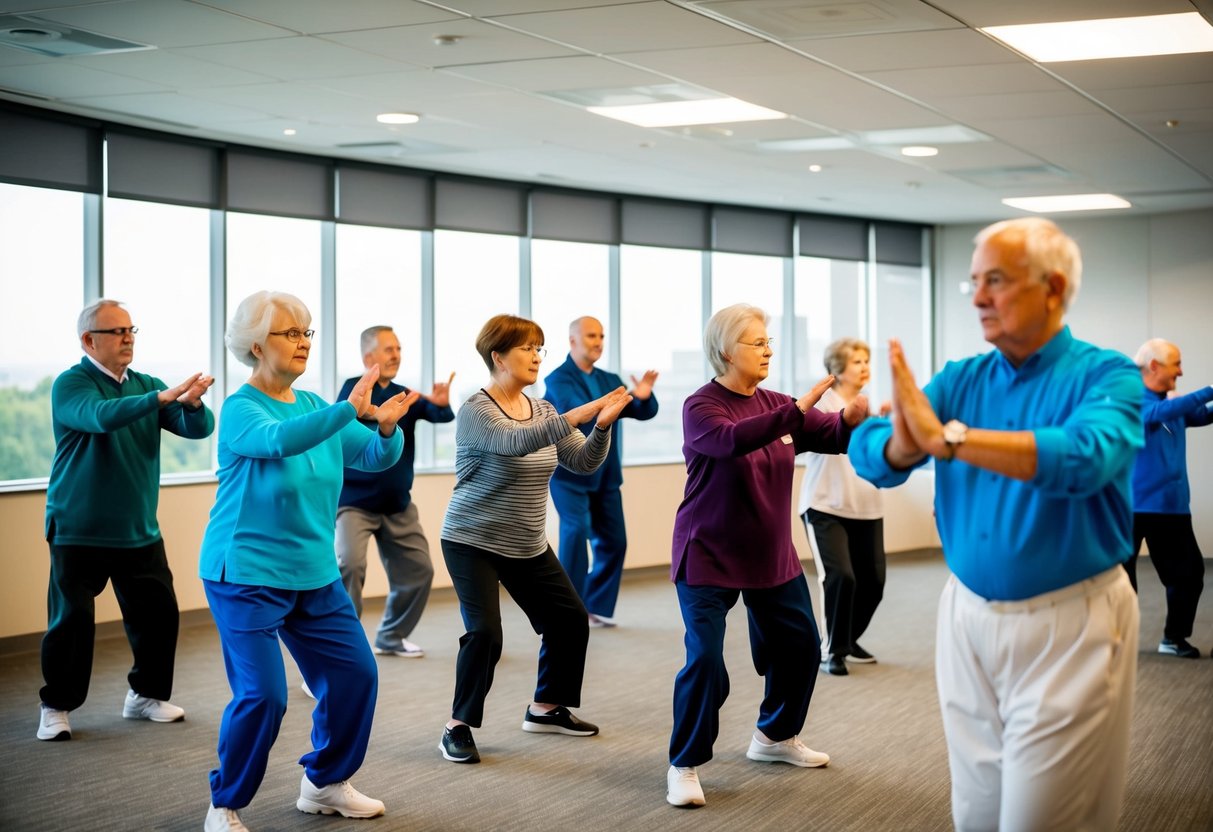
column 955, row 433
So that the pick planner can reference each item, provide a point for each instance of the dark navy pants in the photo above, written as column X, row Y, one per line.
column 327, row 641
column 784, row 645
column 1177, row 559
column 594, row 518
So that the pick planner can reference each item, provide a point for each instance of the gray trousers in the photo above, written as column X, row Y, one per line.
column 406, row 559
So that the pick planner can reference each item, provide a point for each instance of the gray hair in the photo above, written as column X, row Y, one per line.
column 1048, row 250
column 253, row 319
column 839, row 353
column 88, row 315
column 370, row 338
column 1156, row 349
column 725, row 329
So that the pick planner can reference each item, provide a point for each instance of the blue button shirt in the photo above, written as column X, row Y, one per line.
column 1006, row 539
column 1160, row 480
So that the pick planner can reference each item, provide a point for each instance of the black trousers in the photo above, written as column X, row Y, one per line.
column 542, row 589
column 1177, row 559
column 853, row 574
column 143, row 585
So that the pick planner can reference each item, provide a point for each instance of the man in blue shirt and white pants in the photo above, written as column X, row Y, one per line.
column 1034, row 442
column 1162, row 512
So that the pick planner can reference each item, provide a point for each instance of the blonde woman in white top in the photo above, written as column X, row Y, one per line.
column 842, row 516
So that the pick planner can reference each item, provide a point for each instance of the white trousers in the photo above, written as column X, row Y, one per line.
column 1037, row 697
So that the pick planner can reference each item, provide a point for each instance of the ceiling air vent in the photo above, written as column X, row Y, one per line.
column 56, row 40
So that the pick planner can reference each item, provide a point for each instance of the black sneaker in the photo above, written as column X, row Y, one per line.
column 834, row 665
column 1178, row 647
column 559, row 720
column 458, row 746
column 860, row 656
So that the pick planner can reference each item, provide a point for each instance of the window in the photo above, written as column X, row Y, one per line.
column 758, row 281
column 43, row 244
column 661, row 328
column 280, row 255
column 378, row 284
column 475, row 278
column 157, row 262
column 901, row 308
column 830, row 304
column 569, row 280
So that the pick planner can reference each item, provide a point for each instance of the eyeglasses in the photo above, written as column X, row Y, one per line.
column 294, row 334
column 120, row 331
column 760, row 344
column 532, row 349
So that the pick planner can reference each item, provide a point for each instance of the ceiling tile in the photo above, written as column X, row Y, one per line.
column 65, row 80
column 296, row 101
column 571, row 73
column 1127, row 73
column 1016, row 105
column 407, row 90
column 981, row 79
column 170, row 68
column 986, row 13
column 491, row 8
column 293, row 59
column 480, row 43
column 911, row 50
column 175, row 108
column 628, row 28
column 348, row 15
column 1157, row 99
column 164, row 23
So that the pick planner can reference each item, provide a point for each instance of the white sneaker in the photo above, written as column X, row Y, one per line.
column 223, row 820
column 788, row 751
column 405, row 648
column 53, row 725
column 682, row 787
column 337, row 798
column 140, row 707
column 306, row 690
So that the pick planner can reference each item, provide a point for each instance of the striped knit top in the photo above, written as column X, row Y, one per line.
column 502, row 468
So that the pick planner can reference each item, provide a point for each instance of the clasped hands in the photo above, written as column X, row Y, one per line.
column 188, row 392
column 917, row 431
column 606, row 408
column 386, row 414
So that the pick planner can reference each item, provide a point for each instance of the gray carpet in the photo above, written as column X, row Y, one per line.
column 880, row 725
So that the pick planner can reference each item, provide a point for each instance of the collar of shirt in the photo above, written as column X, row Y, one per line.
column 1040, row 360
column 106, row 370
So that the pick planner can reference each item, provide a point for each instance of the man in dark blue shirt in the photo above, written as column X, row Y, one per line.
column 379, row 503
column 590, row 505
column 1162, row 513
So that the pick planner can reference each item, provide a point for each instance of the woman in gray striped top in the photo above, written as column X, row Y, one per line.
column 507, row 445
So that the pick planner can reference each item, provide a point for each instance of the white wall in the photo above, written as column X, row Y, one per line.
column 1143, row 277
column 651, row 496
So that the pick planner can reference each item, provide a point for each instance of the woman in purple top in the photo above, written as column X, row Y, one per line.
column 733, row 537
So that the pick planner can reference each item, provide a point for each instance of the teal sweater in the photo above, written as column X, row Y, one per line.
column 280, row 474
column 105, row 477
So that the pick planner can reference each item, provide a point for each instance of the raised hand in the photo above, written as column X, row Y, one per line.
column 856, row 411
column 583, row 413
column 393, row 410
column 360, row 395
column 916, row 428
column 441, row 394
column 813, row 396
column 643, row 388
column 188, row 392
column 613, row 404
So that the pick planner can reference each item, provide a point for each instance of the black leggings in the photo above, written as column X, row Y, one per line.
column 852, row 563
column 541, row 588
column 1180, row 566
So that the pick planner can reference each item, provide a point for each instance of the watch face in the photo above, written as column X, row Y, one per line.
column 954, row 432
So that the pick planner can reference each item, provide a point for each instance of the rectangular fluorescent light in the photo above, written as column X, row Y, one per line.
column 683, row 113
column 1067, row 202
column 1118, row 37
column 806, row 145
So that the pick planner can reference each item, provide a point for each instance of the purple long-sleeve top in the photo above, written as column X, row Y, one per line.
column 733, row 528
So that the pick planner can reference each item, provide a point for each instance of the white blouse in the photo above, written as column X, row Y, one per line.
column 831, row 485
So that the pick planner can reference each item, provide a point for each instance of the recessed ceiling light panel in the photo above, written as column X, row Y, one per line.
column 1118, row 37
column 397, row 118
column 679, row 113
column 1067, row 202
column 919, row 150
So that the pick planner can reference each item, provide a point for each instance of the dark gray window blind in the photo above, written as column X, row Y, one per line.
column 899, row 243
column 579, row 218
column 288, row 186
column 49, row 152
column 667, row 224
column 752, row 232
column 163, row 170
column 491, row 208
column 380, row 196
column 834, row 238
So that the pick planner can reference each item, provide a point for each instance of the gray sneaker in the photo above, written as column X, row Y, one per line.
column 787, row 751
column 142, row 707
column 53, row 725
column 337, row 799
column 219, row 819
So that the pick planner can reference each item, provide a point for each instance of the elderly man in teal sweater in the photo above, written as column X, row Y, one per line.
column 101, row 518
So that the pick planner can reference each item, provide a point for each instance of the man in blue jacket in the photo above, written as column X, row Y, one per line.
column 101, row 518
column 1162, row 513
column 380, row 503
column 590, row 506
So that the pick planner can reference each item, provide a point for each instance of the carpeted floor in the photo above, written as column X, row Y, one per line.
column 880, row 725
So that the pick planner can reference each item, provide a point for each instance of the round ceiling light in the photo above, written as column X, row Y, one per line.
column 919, row 150
column 397, row 118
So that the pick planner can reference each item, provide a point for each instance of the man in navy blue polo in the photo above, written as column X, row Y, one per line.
column 591, row 506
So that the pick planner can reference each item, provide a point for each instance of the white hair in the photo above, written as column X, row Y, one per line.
column 1156, row 349
column 1049, row 250
column 253, row 319
column 725, row 329
column 370, row 338
column 88, row 315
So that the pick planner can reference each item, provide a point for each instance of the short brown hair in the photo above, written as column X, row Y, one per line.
column 504, row 332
